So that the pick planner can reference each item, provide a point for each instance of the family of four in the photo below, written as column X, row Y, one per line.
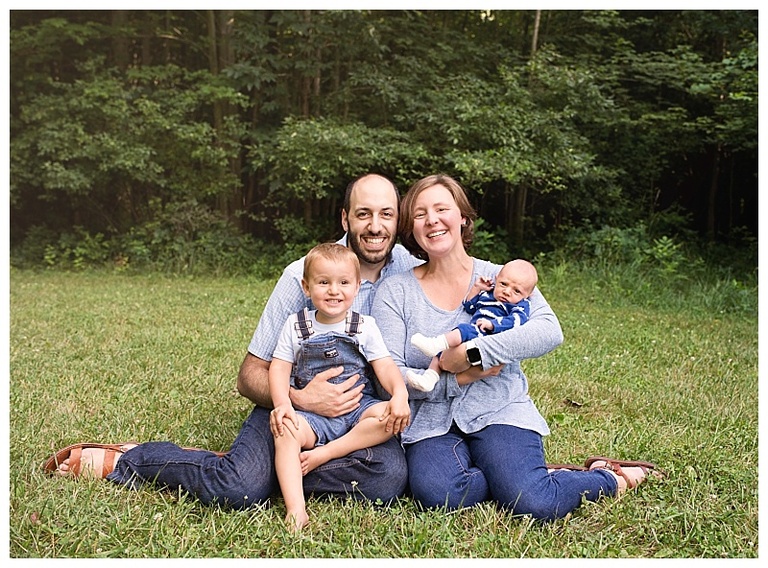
column 378, row 369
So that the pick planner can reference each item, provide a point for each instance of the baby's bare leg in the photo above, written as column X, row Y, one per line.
column 453, row 338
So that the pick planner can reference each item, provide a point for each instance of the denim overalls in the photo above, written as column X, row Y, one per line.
column 325, row 351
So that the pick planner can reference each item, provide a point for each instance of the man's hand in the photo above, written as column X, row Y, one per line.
column 319, row 396
column 328, row 399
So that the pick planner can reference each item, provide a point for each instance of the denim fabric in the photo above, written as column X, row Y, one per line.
column 322, row 352
column 245, row 476
column 319, row 353
column 501, row 463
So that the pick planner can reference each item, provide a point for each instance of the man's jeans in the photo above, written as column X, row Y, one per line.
column 245, row 476
column 500, row 463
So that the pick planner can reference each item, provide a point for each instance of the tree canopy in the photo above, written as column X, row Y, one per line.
column 554, row 120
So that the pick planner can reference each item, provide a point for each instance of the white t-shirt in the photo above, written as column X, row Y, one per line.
column 371, row 342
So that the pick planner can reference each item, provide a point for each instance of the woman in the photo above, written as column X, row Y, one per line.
column 477, row 436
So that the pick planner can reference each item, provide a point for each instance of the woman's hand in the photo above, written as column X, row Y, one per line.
column 454, row 360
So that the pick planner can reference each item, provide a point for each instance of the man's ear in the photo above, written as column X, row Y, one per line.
column 344, row 222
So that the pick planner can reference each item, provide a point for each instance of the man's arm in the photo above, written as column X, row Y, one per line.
column 253, row 380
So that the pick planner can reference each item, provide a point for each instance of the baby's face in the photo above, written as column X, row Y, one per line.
column 512, row 285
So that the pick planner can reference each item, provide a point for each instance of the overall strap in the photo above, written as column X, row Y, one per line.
column 354, row 321
column 304, row 325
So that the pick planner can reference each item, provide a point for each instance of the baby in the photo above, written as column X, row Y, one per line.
column 493, row 308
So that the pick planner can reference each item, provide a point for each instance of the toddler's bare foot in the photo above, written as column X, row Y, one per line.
column 312, row 459
column 297, row 520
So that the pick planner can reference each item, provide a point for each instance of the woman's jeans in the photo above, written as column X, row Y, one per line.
column 500, row 463
column 245, row 476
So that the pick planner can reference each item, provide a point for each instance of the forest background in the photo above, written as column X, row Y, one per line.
column 166, row 164
column 222, row 141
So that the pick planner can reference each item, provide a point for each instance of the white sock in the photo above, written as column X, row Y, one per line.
column 425, row 382
column 430, row 346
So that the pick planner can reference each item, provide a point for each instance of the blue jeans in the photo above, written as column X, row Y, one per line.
column 500, row 463
column 245, row 476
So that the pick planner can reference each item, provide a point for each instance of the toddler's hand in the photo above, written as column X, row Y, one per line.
column 277, row 416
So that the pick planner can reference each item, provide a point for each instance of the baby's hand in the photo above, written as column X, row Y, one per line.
column 485, row 283
column 482, row 284
column 484, row 324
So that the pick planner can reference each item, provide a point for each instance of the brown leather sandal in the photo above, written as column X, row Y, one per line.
column 615, row 466
column 75, row 453
column 111, row 453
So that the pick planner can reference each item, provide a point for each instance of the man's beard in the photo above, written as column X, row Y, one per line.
column 354, row 242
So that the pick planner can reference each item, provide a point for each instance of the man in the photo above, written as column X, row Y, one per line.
column 245, row 475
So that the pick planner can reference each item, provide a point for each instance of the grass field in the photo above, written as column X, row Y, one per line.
column 110, row 358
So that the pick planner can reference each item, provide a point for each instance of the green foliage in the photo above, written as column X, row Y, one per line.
column 308, row 159
column 611, row 117
column 179, row 238
column 630, row 266
column 490, row 245
column 78, row 250
column 100, row 143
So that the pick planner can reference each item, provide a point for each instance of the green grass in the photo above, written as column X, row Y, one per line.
column 108, row 357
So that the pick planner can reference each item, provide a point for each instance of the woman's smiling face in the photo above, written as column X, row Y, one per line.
column 437, row 221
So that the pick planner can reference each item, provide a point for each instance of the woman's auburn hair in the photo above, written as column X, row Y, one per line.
column 407, row 214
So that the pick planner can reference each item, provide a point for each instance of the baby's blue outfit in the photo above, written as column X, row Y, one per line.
column 503, row 315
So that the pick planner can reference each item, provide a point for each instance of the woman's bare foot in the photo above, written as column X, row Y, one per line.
column 297, row 520
column 627, row 477
column 92, row 461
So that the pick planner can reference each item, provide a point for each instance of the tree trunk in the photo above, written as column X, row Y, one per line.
column 535, row 42
column 120, row 51
column 220, row 56
column 517, row 198
column 712, row 197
